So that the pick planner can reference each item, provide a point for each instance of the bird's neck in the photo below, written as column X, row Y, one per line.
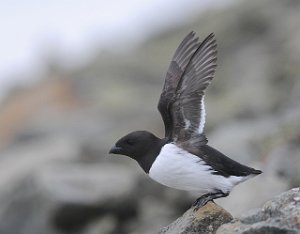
column 147, row 160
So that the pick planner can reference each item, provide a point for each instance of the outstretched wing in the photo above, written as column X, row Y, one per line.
column 180, row 60
column 182, row 101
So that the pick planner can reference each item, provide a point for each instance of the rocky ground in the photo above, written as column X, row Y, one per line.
column 56, row 174
column 279, row 215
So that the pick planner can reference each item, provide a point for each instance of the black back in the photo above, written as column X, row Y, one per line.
column 220, row 163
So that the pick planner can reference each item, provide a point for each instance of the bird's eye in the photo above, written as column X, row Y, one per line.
column 129, row 142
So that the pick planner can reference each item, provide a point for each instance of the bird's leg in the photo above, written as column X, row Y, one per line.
column 204, row 199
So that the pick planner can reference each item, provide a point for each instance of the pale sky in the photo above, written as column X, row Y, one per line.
column 76, row 27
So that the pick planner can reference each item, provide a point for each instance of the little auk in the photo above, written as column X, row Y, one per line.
column 182, row 159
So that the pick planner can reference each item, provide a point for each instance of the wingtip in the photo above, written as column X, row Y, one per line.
column 192, row 32
column 192, row 35
column 211, row 36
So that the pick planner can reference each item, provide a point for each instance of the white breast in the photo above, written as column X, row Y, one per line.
column 176, row 168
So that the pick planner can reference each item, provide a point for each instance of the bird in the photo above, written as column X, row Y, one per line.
column 183, row 159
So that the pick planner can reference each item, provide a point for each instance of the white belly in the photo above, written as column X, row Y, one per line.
column 176, row 168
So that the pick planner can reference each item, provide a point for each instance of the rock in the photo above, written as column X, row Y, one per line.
column 68, row 198
column 24, row 159
column 206, row 219
column 241, row 198
column 104, row 225
column 279, row 215
column 284, row 161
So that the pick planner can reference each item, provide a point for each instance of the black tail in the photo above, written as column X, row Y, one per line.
column 256, row 172
column 223, row 165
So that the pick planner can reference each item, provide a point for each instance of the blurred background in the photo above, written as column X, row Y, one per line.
column 77, row 75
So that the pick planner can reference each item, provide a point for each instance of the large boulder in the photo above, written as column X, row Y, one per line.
column 206, row 219
column 67, row 198
column 279, row 215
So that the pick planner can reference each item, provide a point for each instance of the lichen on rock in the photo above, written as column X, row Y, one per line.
column 206, row 219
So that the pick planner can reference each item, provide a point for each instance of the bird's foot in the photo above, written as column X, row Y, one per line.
column 204, row 199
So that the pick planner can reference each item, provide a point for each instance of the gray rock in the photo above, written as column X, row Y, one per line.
column 104, row 225
column 284, row 162
column 279, row 215
column 206, row 219
column 66, row 198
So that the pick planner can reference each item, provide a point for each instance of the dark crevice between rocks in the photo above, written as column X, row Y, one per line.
column 270, row 230
column 73, row 218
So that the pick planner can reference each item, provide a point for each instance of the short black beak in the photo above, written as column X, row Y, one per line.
column 115, row 150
